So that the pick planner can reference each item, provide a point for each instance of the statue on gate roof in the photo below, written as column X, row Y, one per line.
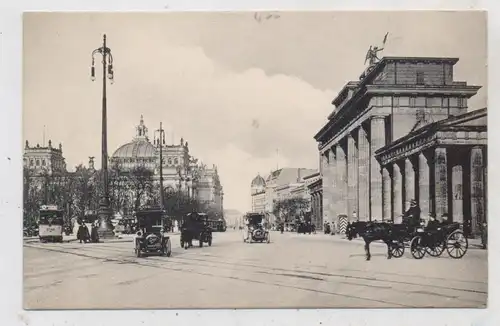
column 371, row 55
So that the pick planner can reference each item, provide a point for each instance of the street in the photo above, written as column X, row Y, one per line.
column 293, row 271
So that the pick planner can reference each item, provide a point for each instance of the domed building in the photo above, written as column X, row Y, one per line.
column 258, row 189
column 137, row 152
column 181, row 171
column 258, row 184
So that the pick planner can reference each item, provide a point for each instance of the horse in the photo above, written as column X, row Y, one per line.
column 372, row 231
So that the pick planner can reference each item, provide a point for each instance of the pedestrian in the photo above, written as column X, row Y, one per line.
column 484, row 235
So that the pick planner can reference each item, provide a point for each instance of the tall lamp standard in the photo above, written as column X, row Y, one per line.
column 105, row 229
column 160, row 142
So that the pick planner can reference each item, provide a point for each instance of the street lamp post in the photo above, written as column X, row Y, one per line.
column 160, row 141
column 105, row 229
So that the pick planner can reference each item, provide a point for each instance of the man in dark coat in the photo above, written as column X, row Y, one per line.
column 412, row 215
column 93, row 233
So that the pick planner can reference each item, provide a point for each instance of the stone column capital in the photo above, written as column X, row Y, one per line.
column 377, row 117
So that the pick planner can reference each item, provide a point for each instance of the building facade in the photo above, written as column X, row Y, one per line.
column 313, row 183
column 258, row 194
column 393, row 97
column 44, row 160
column 279, row 185
column 443, row 166
column 209, row 188
column 181, row 171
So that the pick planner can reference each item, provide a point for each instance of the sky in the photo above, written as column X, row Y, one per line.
column 247, row 91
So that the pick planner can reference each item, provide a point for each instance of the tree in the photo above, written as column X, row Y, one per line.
column 32, row 196
column 46, row 188
column 141, row 185
column 119, row 189
column 178, row 204
column 290, row 209
column 84, row 188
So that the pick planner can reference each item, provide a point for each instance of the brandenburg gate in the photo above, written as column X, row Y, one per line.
column 403, row 132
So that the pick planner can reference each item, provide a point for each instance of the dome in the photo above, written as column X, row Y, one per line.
column 258, row 181
column 137, row 148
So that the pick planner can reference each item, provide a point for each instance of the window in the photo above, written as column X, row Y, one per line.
column 176, row 161
column 37, row 162
column 169, row 161
column 420, row 102
column 43, row 162
column 32, row 162
column 433, row 102
column 420, row 78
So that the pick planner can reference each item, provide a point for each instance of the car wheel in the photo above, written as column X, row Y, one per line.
column 138, row 250
column 168, row 248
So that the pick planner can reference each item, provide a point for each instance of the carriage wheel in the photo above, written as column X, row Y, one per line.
column 416, row 247
column 437, row 250
column 397, row 249
column 457, row 244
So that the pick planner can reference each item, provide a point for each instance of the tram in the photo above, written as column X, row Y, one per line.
column 50, row 224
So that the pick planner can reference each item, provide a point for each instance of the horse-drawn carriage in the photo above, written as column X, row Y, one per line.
column 434, row 240
column 421, row 239
column 150, row 237
column 195, row 226
column 256, row 228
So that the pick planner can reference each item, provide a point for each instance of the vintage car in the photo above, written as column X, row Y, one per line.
column 256, row 228
column 195, row 226
column 150, row 238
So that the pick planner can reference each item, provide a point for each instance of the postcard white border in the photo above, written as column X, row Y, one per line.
column 11, row 312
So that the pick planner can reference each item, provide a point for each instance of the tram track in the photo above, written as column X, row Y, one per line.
column 235, row 266
column 238, row 278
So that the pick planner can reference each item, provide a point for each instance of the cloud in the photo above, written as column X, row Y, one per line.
column 244, row 117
